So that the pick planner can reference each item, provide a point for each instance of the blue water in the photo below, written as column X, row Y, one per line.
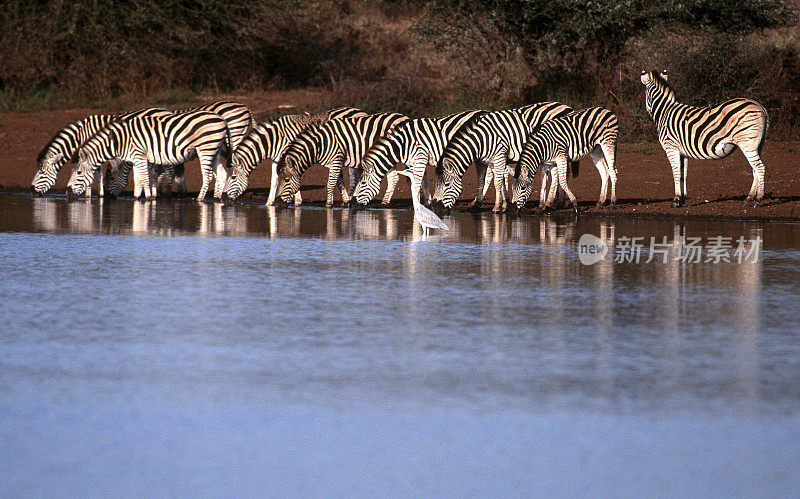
column 176, row 348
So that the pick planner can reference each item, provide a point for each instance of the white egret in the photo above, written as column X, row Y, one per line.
column 426, row 218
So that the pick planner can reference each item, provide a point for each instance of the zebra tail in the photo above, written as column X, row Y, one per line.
column 574, row 168
column 766, row 128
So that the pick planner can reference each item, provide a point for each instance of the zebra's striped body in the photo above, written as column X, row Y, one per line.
column 169, row 140
column 334, row 144
column 270, row 140
column 558, row 142
column 239, row 120
column 491, row 141
column 63, row 147
column 417, row 144
column 705, row 132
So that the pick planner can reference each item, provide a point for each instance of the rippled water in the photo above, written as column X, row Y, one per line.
column 180, row 348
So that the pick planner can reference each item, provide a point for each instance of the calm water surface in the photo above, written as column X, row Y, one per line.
column 177, row 348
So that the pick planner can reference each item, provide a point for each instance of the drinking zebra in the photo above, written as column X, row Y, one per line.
column 417, row 144
column 65, row 144
column 567, row 139
column 334, row 144
column 239, row 120
column 491, row 141
column 269, row 140
column 168, row 140
column 705, row 132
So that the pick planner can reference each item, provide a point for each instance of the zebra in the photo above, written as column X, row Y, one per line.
column 239, row 120
column 334, row 144
column 65, row 144
column 705, row 132
column 269, row 140
column 491, row 141
column 167, row 140
column 416, row 143
column 570, row 138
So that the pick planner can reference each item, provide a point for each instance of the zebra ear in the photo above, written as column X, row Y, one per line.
column 55, row 158
column 645, row 77
column 82, row 156
column 664, row 74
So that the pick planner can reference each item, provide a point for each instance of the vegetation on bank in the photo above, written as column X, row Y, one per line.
column 421, row 57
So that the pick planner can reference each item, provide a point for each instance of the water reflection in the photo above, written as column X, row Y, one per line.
column 501, row 303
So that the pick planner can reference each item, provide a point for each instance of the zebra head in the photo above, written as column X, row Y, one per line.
column 47, row 170
column 369, row 182
column 448, row 185
column 288, row 180
column 116, row 178
column 521, row 190
column 657, row 90
column 237, row 180
column 82, row 175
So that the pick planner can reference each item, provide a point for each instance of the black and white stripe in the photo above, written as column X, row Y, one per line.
column 64, row 146
column 334, row 144
column 239, row 120
column 417, row 143
column 705, row 132
column 269, row 140
column 570, row 138
column 491, row 141
column 169, row 140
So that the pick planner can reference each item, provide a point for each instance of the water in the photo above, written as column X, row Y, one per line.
column 177, row 348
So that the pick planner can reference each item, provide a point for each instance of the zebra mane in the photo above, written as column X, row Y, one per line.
column 466, row 128
column 51, row 144
column 663, row 84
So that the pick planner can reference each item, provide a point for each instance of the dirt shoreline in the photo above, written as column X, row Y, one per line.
column 716, row 189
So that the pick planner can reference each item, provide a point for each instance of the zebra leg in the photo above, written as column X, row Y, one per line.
column 500, row 174
column 391, row 183
column 351, row 186
column 141, row 178
column 334, row 176
column 543, row 190
column 207, row 172
column 600, row 163
column 561, row 171
column 273, row 184
column 221, row 177
column 298, row 199
column 757, row 188
column 100, row 188
column 674, row 158
column 610, row 153
column 684, row 172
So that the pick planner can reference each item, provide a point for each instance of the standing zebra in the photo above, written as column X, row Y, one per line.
column 239, row 120
column 65, row 144
column 334, row 144
column 168, row 140
column 269, row 140
column 566, row 139
column 491, row 141
column 705, row 132
column 416, row 143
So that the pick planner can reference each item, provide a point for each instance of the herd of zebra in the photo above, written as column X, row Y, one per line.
column 507, row 147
